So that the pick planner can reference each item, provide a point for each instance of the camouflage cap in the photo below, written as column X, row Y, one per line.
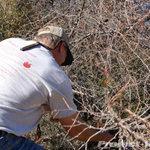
column 60, row 33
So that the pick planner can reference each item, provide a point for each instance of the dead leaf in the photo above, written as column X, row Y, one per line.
column 105, row 81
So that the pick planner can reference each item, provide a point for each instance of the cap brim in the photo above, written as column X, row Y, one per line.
column 69, row 59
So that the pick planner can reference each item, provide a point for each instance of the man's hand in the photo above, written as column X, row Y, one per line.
column 115, row 134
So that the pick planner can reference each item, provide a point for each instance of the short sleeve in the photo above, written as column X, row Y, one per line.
column 61, row 100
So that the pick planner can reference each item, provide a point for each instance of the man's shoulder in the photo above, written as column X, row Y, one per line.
column 12, row 39
column 57, row 74
column 17, row 42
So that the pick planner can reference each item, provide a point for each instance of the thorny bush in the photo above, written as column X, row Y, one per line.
column 110, row 75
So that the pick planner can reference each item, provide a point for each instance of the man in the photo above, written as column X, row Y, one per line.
column 32, row 83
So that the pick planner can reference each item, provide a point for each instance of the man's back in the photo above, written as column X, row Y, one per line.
column 28, row 80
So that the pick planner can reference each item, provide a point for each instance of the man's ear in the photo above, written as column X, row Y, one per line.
column 62, row 47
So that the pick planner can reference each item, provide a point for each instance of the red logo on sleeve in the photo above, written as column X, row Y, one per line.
column 27, row 64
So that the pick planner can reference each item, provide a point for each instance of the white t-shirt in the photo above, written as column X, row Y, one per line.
column 30, row 80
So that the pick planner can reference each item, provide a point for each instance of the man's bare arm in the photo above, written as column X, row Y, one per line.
column 77, row 128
